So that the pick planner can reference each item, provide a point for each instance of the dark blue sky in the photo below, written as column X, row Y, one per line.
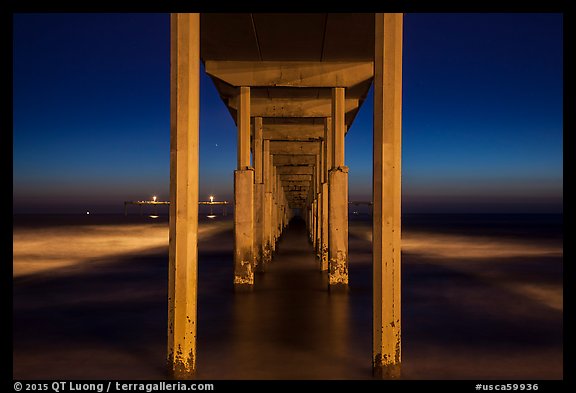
column 482, row 115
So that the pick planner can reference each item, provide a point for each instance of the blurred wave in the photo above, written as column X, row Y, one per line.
column 485, row 258
column 49, row 248
column 462, row 246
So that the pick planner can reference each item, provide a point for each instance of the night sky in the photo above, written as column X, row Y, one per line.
column 482, row 115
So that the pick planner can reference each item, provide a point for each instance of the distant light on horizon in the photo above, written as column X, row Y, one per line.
column 211, row 216
column 88, row 213
column 153, row 216
column 154, row 198
column 211, row 198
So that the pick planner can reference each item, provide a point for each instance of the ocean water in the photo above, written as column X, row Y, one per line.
column 481, row 299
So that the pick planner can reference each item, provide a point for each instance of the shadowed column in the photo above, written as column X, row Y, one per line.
column 327, row 165
column 318, row 195
column 274, row 208
column 338, row 197
column 243, row 198
column 386, row 353
column 258, row 195
column 267, row 217
column 183, row 243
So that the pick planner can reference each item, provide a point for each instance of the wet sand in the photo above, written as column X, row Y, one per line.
column 472, row 316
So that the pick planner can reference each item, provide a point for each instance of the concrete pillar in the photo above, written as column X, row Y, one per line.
column 313, row 226
column 267, row 216
column 278, row 206
column 243, row 198
column 243, row 121
column 308, row 220
column 183, row 243
column 274, row 235
column 338, row 230
column 318, row 196
column 282, row 210
column 258, row 151
column 258, row 194
column 310, row 215
column 386, row 353
column 327, row 165
column 325, row 229
column 338, row 197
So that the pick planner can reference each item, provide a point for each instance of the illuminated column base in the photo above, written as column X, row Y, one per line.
column 258, row 227
column 338, row 228
column 324, row 244
column 267, row 230
column 243, row 228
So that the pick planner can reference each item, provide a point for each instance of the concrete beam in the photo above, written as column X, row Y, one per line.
column 183, row 227
column 307, row 183
column 298, row 196
column 294, row 159
column 293, row 147
column 289, row 189
column 303, row 193
column 290, row 73
column 386, row 185
column 292, row 107
column 295, row 169
column 293, row 131
column 296, row 177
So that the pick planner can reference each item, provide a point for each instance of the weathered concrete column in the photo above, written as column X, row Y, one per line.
column 318, row 196
column 327, row 165
column 308, row 220
column 183, row 243
column 314, row 219
column 325, row 229
column 257, row 150
column 338, row 197
column 283, row 211
column 310, row 204
column 274, row 232
column 386, row 353
column 243, row 198
column 314, row 208
column 278, row 206
column 267, row 216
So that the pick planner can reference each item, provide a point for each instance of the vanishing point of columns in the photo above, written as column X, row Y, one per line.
column 283, row 167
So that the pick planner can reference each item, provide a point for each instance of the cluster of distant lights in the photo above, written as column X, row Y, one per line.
column 155, row 198
column 211, row 197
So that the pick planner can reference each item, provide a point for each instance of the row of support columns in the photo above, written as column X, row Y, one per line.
column 261, row 206
column 328, row 199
